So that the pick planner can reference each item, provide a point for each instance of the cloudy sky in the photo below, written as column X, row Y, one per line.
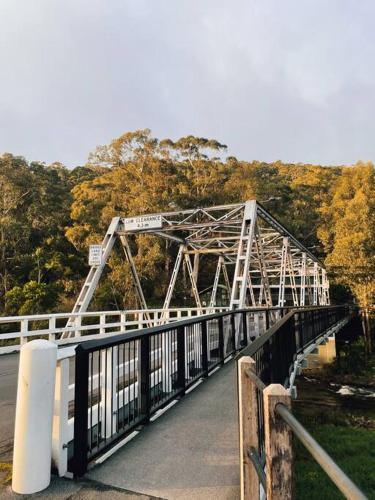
column 291, row 80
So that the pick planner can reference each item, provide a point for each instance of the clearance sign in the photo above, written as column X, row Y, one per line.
column 143, row 222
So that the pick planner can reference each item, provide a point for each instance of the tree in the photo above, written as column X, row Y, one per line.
column 143, row 175
column 32, row 298
column 349, row 236
column 15, row 199
column 34, row 212
column 49, row 215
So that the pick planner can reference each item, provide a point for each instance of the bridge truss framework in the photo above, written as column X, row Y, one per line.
column 261, row 263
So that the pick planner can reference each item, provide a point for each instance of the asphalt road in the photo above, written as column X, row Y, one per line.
column 8, row 395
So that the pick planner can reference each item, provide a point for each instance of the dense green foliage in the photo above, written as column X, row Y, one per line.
column 50, row 214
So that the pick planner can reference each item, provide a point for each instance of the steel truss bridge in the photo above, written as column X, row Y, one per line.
column 257, row 260
column 126, row 367
column 260, row 262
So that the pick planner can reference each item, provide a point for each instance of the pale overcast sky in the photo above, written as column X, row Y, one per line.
column 273, row 79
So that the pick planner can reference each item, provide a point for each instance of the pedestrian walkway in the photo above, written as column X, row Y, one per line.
column 190, row 452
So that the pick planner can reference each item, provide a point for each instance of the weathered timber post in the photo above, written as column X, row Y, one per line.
column 278, row 444
column 248, row 426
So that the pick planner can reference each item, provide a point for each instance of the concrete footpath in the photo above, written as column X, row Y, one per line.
column 65, row 489
column 189, row 452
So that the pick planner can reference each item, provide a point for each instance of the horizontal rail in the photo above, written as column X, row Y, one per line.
column 103, row 323
column 65, row 315
column 114, row 340
column 338, row 476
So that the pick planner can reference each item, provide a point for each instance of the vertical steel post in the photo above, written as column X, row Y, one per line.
column 145, row 396
column 303, row 280
column 81, row 402
column 181, row 377
column 221, row 339
column 204, row 348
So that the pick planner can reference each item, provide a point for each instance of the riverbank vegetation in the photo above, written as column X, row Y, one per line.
column 336, row 403
column 50, row 214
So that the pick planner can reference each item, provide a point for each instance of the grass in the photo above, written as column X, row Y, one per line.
column 5, row 473
column 353, row 449
column 345, row 429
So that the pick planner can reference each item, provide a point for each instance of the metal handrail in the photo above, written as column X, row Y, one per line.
column 137, row 334
column 337, row 475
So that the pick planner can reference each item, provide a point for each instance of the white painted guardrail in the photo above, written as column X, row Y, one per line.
column 15, row 331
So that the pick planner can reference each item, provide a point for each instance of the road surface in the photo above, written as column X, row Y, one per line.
column 8, row 395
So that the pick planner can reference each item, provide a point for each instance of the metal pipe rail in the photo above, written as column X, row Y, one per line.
column 337, row 475
column 276, row 350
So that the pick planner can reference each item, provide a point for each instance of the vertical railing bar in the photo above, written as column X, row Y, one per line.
column 145, row 375
column 105, row 395
column 233, row 324
column 123, row 386
column 221, row 339
column 80, row 458
column 181, row 354
column 100, row 427
column 204, row 355
column 112, row 388
column 118, row 390
column 91, row 395
column 129, row 383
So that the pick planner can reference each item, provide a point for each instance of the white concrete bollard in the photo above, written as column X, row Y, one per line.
column 34, row 415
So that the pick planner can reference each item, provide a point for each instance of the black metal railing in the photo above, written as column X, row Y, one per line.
column 122, row 381
column 275, row 352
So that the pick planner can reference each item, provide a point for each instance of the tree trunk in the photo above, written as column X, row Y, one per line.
column 368, row 330
column 366, row 327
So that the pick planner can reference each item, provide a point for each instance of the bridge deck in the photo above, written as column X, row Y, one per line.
column 191, row 451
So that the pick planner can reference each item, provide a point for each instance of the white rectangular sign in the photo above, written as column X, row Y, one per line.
column 143, row 222
column 95, row 255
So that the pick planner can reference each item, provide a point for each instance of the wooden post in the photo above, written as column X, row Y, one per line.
column 248, row 426
column 278, row 445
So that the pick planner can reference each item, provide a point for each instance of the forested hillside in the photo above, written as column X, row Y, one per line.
column 50, row 214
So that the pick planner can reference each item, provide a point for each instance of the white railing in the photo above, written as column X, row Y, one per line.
column 17, row 330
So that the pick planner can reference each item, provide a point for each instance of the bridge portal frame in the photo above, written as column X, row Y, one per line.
column 267, row 259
